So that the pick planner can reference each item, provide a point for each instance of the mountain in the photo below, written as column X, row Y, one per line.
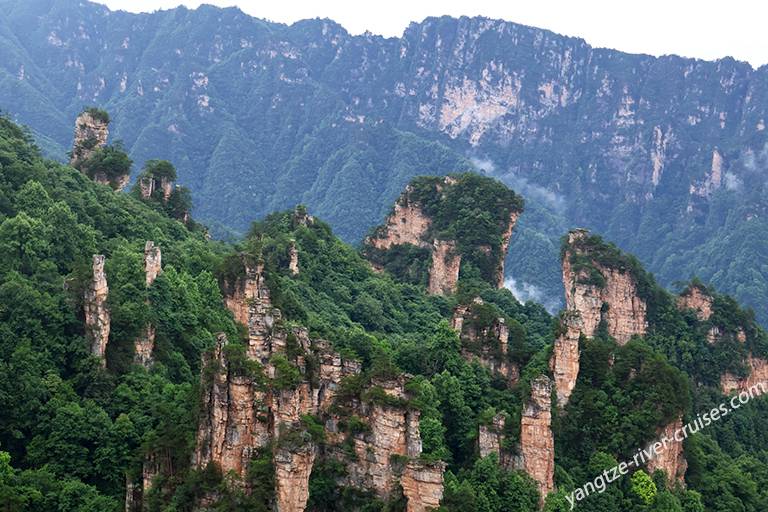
column 663, row 155
column 144, row 366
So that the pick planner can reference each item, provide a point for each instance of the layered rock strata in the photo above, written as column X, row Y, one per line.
column 248, row 407
column 564, row 362
column 616, row 300
column 537, row 443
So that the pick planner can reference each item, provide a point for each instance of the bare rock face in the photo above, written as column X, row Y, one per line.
column 91, row 133
column 489, row 344
column 671, row 458
column 565, row 357
column 444, row 273
column 152, row 262
column 697, row 299
column 293, row 263
column 392, row 431
column 755, row 382
column 505, row 239
column 144, row 346
column 292, row 471
column 148, row 185
column 617, row 300
column 490, row 438
column 407, row 224
column 133, row 495
column 537, row 443
column 231, row 426
column 242, row 414
column 145, row 343
column 410, row 224
column 423, row 485
column 97, row 317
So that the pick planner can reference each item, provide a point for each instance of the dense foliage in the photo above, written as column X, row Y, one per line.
column 72, row 431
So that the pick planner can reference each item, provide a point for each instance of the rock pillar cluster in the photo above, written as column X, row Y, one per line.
column 249, row 405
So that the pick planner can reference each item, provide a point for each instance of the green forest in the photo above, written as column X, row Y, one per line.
column 72, row 432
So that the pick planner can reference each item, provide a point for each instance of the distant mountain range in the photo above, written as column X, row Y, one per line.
column 666, row 156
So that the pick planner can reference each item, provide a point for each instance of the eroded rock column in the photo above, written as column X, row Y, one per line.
column 145, row 343
column 537, row 444
column 97, row 317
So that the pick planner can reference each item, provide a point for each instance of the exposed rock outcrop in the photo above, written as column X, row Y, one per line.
column 149, row 184
column 670, row 458
column 755, row 382
column 292, row 471
column 153, row 262
column 231, row 426
column 489, row 344
column 614, row 298
column 97, row 317
column 145, row 343
column 423, row 485
column 407, row 224
column 490, row 438
column 537, row 443
column 244, row 411
column 91, row 133
column 506, row 238
column 412, row 223
column 565, row 356
column 699, row 300
column 444, row 273
column 293, row 259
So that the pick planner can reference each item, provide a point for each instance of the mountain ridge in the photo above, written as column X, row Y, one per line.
column 259, row 118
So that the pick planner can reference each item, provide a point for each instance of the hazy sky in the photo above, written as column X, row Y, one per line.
column 707, row 29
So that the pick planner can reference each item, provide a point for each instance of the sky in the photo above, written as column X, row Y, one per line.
column 706, row 29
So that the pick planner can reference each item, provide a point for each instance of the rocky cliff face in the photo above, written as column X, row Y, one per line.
column 565, row 356
column 490, row 440
column 697, row 299
column 145, row 343
column 149, row 184
column 426, row 216
column 446, row 262
column 650, row 134
column 97, row 317
column 671, row 458
column 506, row 238
column 408, row 224
column 489, row 344
column 756, row 380
column 537, row 443
column 615, row 299
column 292, row 471
column 245, row 411
column 423, row 485
column 91, row 133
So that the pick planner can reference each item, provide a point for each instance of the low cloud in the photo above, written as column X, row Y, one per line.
column 484, row 164
column 732, row 182
column 525, row 292
column 522, row 186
